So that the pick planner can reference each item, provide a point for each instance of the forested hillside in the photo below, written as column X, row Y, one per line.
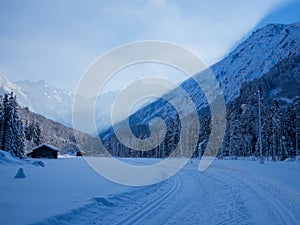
column 280, row 113
column 59, row 135
column 21, row 130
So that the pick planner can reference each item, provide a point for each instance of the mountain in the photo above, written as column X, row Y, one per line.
column 52, row 112
column 59, row 135
column 41, row 98
column 56, row 104
column 265, row 48
column 280, row 106
column 256, row 56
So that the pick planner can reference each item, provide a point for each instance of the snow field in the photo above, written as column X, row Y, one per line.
column 68, row 191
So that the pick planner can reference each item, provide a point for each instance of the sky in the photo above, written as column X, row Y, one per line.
column 57, row 40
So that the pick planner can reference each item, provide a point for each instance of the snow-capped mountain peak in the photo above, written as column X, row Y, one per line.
column 41, row 98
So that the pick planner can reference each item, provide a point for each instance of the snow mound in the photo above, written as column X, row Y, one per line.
column 38, row 163
column 7, row 159
column 289, row 160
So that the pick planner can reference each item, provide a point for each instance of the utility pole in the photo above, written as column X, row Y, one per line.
column 261, row 161
column 229, row 153
column 297, row 131
column 163, row 149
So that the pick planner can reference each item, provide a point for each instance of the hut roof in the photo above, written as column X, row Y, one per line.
column 47, row 145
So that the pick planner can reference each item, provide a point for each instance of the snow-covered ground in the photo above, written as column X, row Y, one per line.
column 68, row 191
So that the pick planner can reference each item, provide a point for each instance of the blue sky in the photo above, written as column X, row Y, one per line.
column 57, row 40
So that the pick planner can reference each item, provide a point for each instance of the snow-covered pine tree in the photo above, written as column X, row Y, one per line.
column 29, row 130
column 33, row 134
column 288, row 130
column 20, row 139
column 275, row 129
column 12, row 130
column 37, row 135
column 6, row 141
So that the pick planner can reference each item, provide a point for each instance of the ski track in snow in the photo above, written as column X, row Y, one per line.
column 127, row 208
column 276, row 202
column 142, row 213
column 208, row 201
column 219, row 195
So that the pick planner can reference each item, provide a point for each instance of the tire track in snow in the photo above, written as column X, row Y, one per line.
column 126, row 208
column 263, row 190
column 216, row 203
column 202, row 200
column 227, row 206
column 137, row 216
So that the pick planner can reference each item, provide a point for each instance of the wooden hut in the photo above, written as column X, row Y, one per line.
column 80, row 153
column 44, row 151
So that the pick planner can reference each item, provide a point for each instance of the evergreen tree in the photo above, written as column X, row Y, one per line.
column 20, row 139
column 12, row 129
column 29, row 130
column 275, row 129
column 37, row 135
column 287, row 129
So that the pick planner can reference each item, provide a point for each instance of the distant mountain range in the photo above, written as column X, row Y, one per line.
column 41, row 98
column 53, row 103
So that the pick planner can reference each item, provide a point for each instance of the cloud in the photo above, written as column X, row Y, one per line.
column 57, row 40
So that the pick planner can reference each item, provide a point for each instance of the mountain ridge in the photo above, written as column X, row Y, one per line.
column 41, row 98
column 251, row 59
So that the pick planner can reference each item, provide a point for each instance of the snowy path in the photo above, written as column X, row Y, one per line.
column 227, row 193
column 139, row 215
column 67, row 191
column 269, row 201
column 127, row 208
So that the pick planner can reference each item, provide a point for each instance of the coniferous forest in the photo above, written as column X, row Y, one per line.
column 21, row 130
column 279, row 113
column 16, row 136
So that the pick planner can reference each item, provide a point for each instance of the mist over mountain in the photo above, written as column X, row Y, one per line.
column 272, row 46
column 254, row 57
column 41, row 98
column 54, row 103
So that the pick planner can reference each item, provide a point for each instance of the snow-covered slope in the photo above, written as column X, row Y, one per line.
column 41, row 98
column 254, row 57
column 46, row 100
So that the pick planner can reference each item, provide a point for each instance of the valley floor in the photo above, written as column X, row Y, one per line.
column 68, row 191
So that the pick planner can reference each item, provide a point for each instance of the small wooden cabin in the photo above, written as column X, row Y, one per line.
column 44, row 151
column 80, row 153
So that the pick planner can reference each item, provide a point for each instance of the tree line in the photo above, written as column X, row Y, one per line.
column 280, row 121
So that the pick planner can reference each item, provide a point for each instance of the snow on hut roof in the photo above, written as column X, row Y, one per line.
column 47, row 145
